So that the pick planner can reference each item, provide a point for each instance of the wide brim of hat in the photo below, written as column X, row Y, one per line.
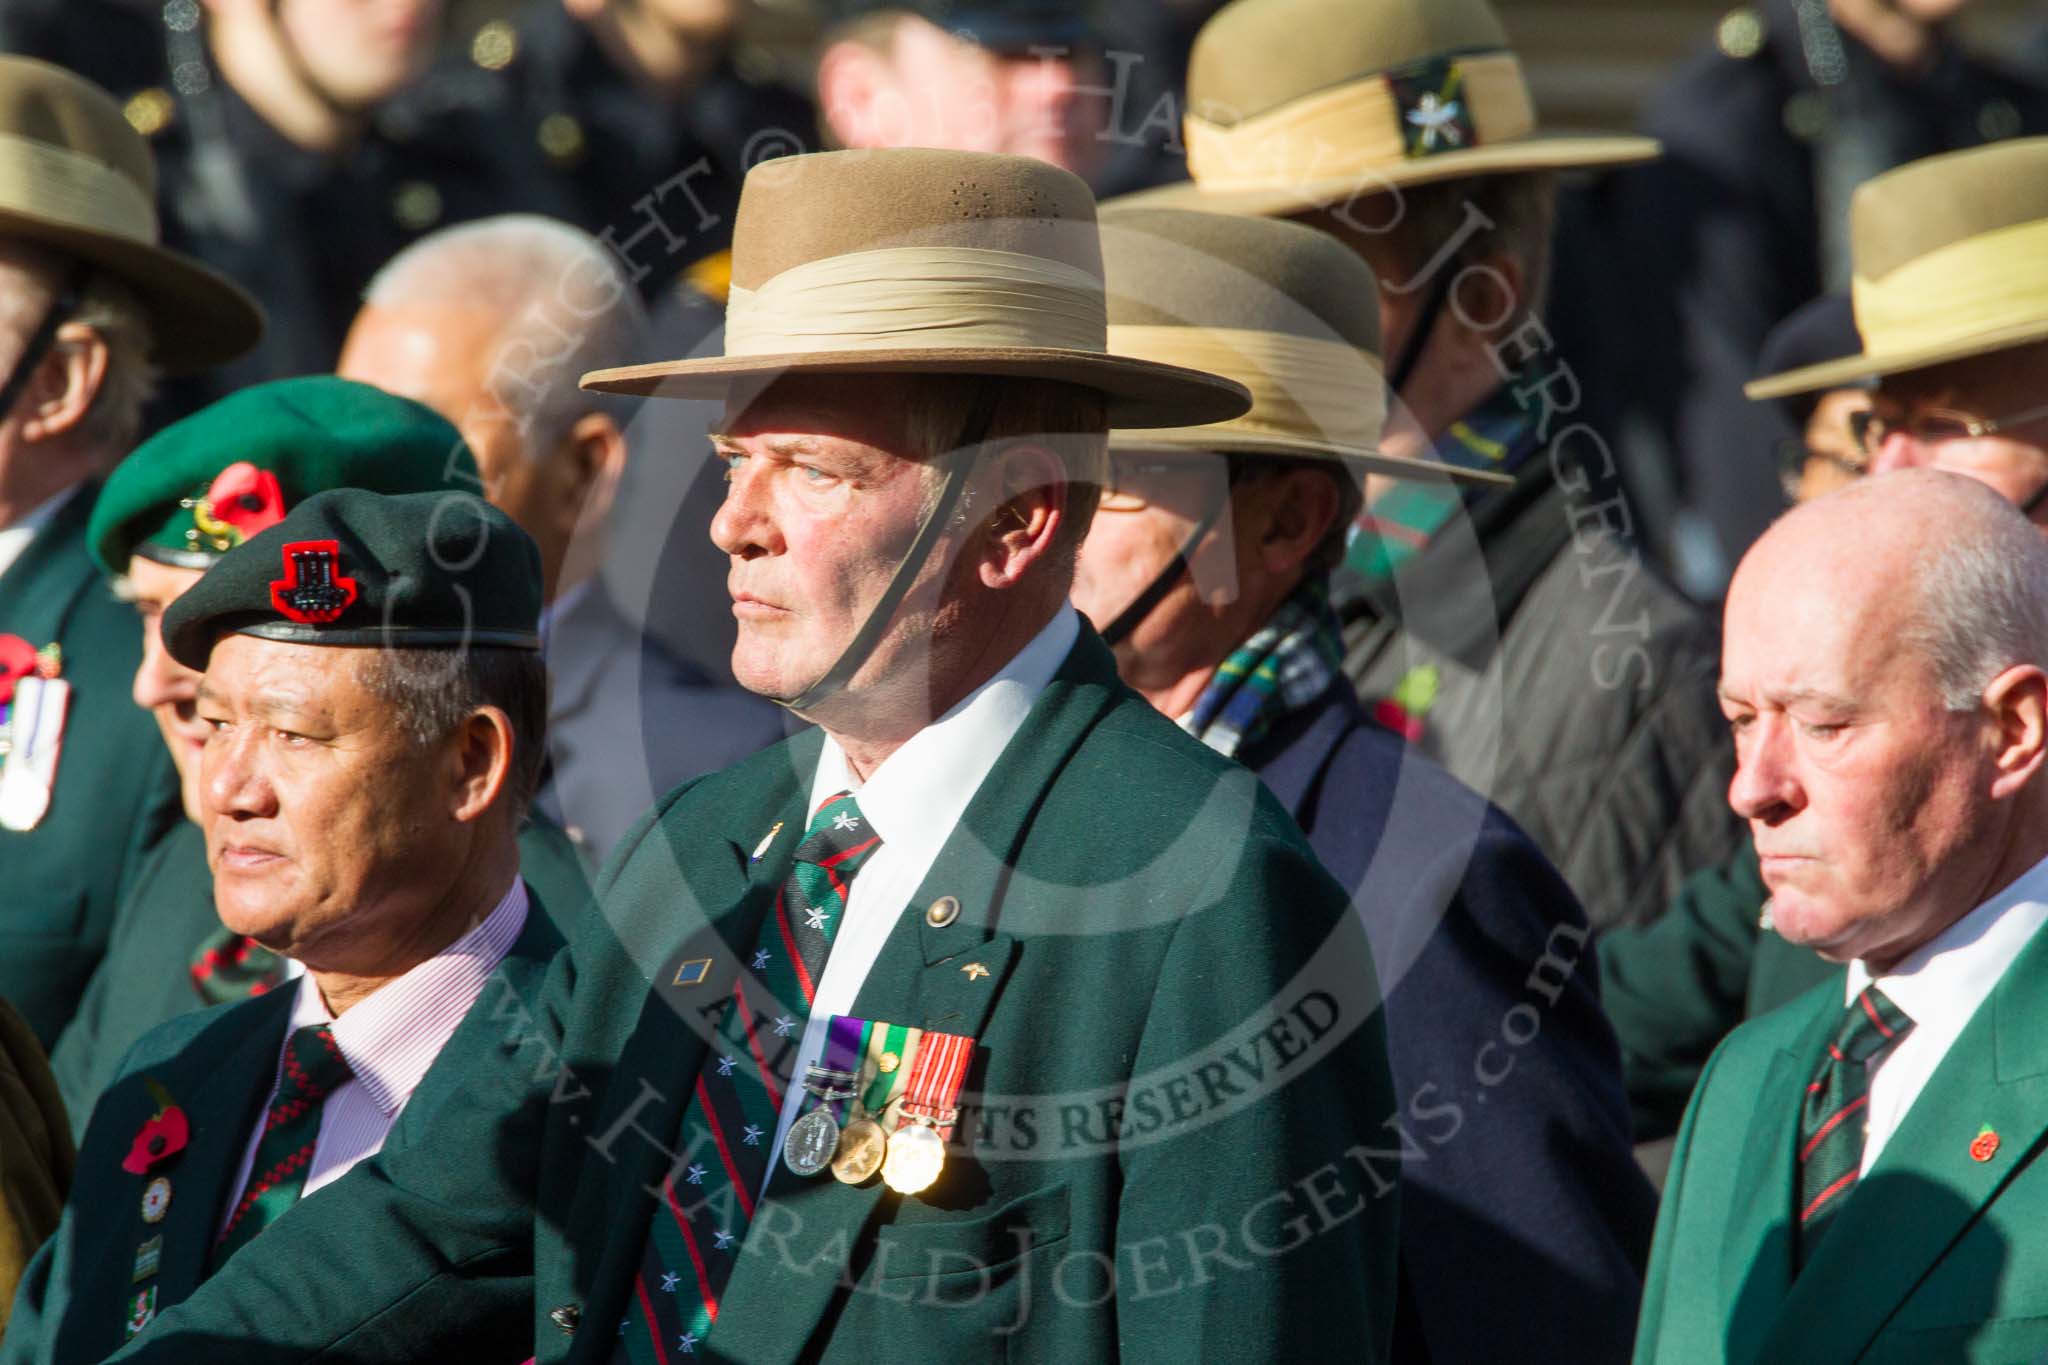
column 198, row 317
column 1140, row 393
column 1544, row 152
column 1873, row 363
column 1230, row 441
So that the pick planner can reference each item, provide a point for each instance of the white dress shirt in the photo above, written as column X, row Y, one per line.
column 913, row 800
column 1939, row 986
column 389, row 1038
column 16, row 538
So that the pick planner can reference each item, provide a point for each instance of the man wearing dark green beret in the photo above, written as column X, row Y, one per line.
column 91, row 310
column 168, row 513
column 375, row 706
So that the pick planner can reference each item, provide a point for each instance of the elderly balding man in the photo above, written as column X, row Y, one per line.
column 491, row 324
column 1855, row 1177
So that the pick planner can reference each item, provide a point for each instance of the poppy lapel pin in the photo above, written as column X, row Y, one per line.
column 163, row 1135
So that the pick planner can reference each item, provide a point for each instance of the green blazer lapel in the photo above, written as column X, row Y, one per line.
column 1756, row 1253
column 38, row 589
column 232, row 1066
column 785, row 1283
column 1926, row 1187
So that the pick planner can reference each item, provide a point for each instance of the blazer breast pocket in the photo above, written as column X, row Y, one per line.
column 933, row 1249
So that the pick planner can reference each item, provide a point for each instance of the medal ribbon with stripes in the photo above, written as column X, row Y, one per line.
column 729, row 1127
column 1837, row 1104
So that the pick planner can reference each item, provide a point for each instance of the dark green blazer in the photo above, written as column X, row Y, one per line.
column 1936, row 1256
column 168, row 915
column 218, row 1065
column 116, row 791
column 1181, row 1078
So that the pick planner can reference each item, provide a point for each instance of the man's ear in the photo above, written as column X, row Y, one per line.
column 1030, row 486
column 2018, row 702
column 1485, row 298
column 852, row 84
column 65, row 383
column 481, row 751
column 1301, row 507
column 594, row 461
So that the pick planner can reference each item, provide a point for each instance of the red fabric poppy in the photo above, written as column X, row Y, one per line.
column 246, row 498
column 17, row 660
column 161, row 1137
column 1985, row 1146
column 1396, row 717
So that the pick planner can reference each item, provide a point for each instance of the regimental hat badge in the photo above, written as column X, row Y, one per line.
column 240, row 501
column 1435, row 116
column 313, row 590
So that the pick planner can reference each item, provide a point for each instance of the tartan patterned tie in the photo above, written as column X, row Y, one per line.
column 728, row 1129
column 231, row 966
column 313, row 1069
column 1832, row 1117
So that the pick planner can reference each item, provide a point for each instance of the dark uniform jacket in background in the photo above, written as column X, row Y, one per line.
column 218, row 1066
column 1134, row 898
column 1525, row 1165
column 1676, row 988
column 168, row 916
column 116, row 792
column 1744, row 219
column 629, row 722
column 1576, row 686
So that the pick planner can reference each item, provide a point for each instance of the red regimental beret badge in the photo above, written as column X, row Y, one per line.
column 313, row 590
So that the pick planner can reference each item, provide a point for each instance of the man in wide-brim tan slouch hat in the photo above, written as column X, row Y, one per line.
column 91, row 308
column 1950, row 290
column 1404, row 128
column 920, row 999
column 1243, row 651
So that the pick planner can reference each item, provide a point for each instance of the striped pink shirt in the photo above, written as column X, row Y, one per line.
column 390, row 1038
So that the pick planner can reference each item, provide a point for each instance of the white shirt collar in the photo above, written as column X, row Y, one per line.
column 918, row 794
column 16, row 538
column 392, row 1035
column 1942, row 982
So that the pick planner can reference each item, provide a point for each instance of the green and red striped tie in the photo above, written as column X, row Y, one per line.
column 1836, row 1110
column 313, row 1069
column 729, row 1128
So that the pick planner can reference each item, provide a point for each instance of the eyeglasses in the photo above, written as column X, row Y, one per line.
column 1869, row 428
column 1795, row 455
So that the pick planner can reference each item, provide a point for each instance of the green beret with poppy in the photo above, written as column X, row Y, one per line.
column 348, row 567
column 205, row 484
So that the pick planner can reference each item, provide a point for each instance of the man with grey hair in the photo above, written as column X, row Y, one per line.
column 91, row 306
column 491, row 324
column 1866, row 1153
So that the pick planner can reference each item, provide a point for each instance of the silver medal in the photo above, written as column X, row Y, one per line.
column 811, row 1143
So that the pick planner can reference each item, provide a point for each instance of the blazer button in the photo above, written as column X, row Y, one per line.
column 566, row 1317
column 943, row 912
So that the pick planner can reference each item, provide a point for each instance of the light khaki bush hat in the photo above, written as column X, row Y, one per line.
column 76, row 179
column 1949, row 259
column 912, row 260
column 1293, row 105
column 1287, row 311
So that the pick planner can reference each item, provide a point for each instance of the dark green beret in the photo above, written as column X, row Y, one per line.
column 349, row 567
column 202, row 486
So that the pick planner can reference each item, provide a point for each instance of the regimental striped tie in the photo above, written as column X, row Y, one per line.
column 313, row 1069
column 1836, row 1108
column 729, row 1127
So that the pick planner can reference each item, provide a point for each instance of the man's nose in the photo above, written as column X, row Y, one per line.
column 744, row 525
column 1765, row 786
column 231, row 782
column 1900, row 449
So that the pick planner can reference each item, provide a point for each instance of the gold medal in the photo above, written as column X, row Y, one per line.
column 863, row 1147
column 916, row 1156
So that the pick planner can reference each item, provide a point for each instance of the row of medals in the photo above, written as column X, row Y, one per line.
column 909, row 1159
